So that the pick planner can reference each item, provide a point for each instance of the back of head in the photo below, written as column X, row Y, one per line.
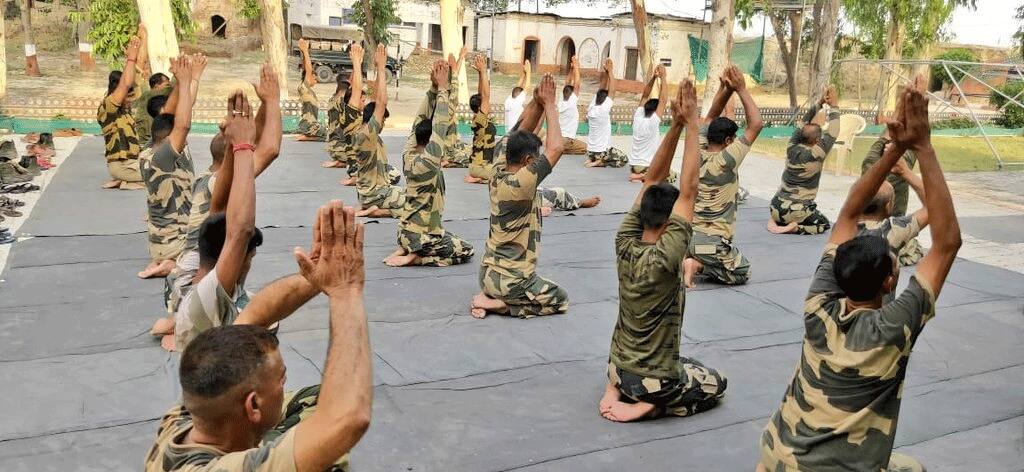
column 516, row 91
column 810, row 134
column 343, row 86
column 212, row 234
column 567, row 92
column 721, row 129
column 861, row 266
column 601, row 96
column 162, row 126
column 656, row 205
column 880, row 204
column 521, row 146
column 650, row 106
column 113, row 79
column 157, row 80
column 218, row 146
column 423, row 131
column 155, row 105
column 475, row 101
column 369, row 109
column 220, row 359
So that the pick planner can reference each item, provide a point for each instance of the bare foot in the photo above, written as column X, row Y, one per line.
column 146, row 272
column 111, row 184
column 162, row 327
column 636, row 177
column 348, row 182
column 611, row 395
column 445, row 163
column 303, row 137
column 691, row 268
column 774, row 227
column 590, row 202
column 374, row 212
column 622, row 412
column 469, row 179
column 402, row 260
column 164, row 269
column 594, row 164
column 167, row 342
column 332, row 164
column 398, row 252
column 546, row 211
column 482, row 304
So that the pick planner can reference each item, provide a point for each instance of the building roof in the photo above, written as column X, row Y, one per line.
column 688, row 10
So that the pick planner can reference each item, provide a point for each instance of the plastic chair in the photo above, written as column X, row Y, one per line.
column 849, row 127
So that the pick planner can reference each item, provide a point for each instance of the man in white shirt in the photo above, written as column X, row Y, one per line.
column 647, row 127
column 569, row 111
column 600, row 152
column 517, row 99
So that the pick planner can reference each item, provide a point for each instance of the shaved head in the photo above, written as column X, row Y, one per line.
column 881, row 204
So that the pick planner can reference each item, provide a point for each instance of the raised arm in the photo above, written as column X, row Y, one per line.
column 356, row 52
column 554, row 144
column 483, row 84
column 524, row 78
column 124, row 86
column 442, row 113
column 721, row 100
column 171, row 104
column 832, row 133
column 753, row 114
column 225, row 174
column 145, row 70
column 345, row 404
column 663, row 90
column 380, row 91
column 691, row 150
column 609, row 77
column 903, row 170
column 533, row 112
column 661, row 163
column 308, row 76
column 239, row 131
column 812, row 112
column 426, row 110
column 188, row 88
column 268, row 145
column 648, row 87
column 574, row 74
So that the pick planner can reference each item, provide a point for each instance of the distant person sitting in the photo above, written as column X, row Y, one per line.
column 600, row 152
column 309, row 127
column 647, row 127
column 117, row 123
column 569, row 110
column 517, row 99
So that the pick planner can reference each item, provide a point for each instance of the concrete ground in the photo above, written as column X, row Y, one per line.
column 85, row 383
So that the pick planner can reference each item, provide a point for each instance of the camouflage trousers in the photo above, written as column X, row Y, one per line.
column 672, row 175
column 911, row 253
column 389, row 197
column 722, row 261
column 610, row 158
column 125, row 170
column 310, row 127
column 482, row 171
column 179, row 281
column 806, row 215
column 697, row 389
column 526, row 298
column 897, row 462
column 298, row 406
column 436, row 251
column 558, row 198
column 458, row 154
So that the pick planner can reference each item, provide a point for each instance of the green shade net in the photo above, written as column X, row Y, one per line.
column 747, row 54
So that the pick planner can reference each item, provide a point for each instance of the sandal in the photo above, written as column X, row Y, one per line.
column 11, row 213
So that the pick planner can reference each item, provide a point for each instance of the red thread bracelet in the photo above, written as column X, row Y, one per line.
column 242, row 147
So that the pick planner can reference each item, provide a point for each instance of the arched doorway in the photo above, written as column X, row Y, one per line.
column 531, row 50
column 589, row 54
column 218, row 26
column 566, row 49
column 607, row 51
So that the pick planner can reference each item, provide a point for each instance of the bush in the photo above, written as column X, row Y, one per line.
column 1013, row 115
column 956, row 122
column 958, row 54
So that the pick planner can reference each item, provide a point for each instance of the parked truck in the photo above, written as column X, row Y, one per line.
column 328, row 50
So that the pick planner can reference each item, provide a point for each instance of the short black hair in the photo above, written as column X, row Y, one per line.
column 423, row 131
column 816, row 129
column 157, row 79
column 217, row 147
column 113, row 79
column 650, row 106
column 720, row 129
column 601, row 96
column 516, row 91
column 162, row 126
column 521, row 144
column 212, row 233
column 370, row 108
column 861, row 266
column 220, row 358
column 155, row 105
column 878, row 203
column 567, row 90
column 656, row 205
column 343, row 84
column 475, row 101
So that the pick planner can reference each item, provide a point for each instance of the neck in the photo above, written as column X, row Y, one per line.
column 715, row 147
column 874, row 304
column 227, row 436
column 420, row 148
column 650, row 236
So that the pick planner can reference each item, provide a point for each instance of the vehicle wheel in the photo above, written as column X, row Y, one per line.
column 324, row 74
column 389, row 76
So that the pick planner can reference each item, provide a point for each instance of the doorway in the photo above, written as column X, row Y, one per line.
column 566, row 49
column 531, row 50
column 218, row 26
column 435, row 38
column 632, row 58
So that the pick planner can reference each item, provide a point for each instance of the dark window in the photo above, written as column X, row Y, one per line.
column 335, row 21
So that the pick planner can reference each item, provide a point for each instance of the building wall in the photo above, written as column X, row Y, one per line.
column 236, row 26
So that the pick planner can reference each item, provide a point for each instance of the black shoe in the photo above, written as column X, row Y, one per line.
column 6, row 239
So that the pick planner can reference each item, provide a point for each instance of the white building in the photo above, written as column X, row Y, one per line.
column 420, row 26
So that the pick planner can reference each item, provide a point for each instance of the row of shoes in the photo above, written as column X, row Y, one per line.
column 16, row 169
column 8, row 208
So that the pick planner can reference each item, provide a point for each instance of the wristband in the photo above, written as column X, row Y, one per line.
column 242, row 147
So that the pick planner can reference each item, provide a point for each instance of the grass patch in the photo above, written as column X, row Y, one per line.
column 956, row 154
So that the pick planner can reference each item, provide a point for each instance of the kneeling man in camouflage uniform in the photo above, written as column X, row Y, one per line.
column 841, row 409
column 422, row 240
column 644, row 365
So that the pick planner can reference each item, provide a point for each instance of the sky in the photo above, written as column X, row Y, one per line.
column 992, row 24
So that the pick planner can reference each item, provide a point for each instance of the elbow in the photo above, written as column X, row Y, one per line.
column 756, row 124
column 555, row 147
column 354, row 422
column 241, row 230
column 951, row 244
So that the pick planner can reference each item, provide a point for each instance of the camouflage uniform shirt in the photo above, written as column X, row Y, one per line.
column 371, row 161
column 715, row 207
column 206, row 306
column 118, row 124
column 804, row 163
column 513, row 241
column 202, row 193
column 343, row 122
column 424, row 182
column 168, row 454
column 168, row 176
column 841, row 409
column 651, row 298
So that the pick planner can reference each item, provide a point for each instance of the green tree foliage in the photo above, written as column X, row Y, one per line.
column 958, row 54
column 1019, row 35
column 249, row 9
column 1013, row 115
column 115, row 21
column 923, row 20
column 384, row 13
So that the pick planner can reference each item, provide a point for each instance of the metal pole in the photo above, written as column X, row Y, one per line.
column 1000, row 92
column 491, row 62
column 956, row 83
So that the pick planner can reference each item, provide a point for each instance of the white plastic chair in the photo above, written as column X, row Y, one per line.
column 849, row 127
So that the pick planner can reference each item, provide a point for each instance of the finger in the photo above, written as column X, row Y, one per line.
column 350, row 225
column 326, row 232
column 338, row 220
column 302, row 259
column 317, row 239
column 246, row 107
column 359, row 237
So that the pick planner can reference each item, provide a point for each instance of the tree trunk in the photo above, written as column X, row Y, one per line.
column 31, row 62
column 643, row 37
column 3, row 60
column 451, row 41
column 788, row 51
column 826, row 25
column 718, row 47
column 163, row 39
column 371, row 40
column 274, row 48
column 85, row 59
column 893, row 52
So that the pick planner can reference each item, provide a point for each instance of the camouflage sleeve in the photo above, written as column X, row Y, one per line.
column 426, row 110
column 824, row 280
column 164, row 157
column 540, row 167
column 675, row 241
column 738, row 150
column 275, row 456
column 530, row 177
column 874, row 154
column 629, row 230
column 350, row 118
column 911, row 310
column 829, row 139
column 901, row 230
column 436, row 146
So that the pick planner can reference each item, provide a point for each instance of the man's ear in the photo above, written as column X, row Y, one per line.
column 252, row 408
column 891, row 281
